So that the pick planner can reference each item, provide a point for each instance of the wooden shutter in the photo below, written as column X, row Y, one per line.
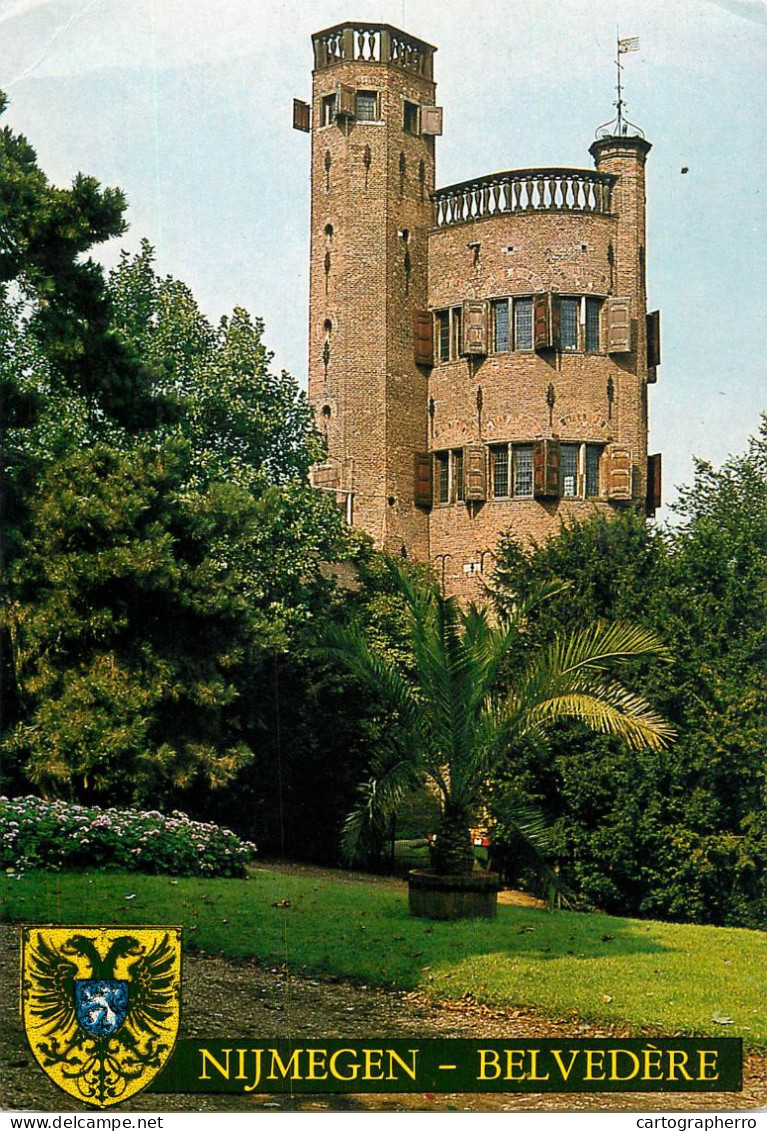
column 423, row 484
column 619, row 475
column 475, row 327
column 653, row 344
column 546, row 469
column 346, row 101
column 653, row 483
column 475, row 472
column 542, row 322
column 301, row 115
column 556, row 322
column 431, row 121
column 619, row 325
column 423, row 338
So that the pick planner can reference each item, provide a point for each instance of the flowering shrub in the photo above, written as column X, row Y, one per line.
column 55, row 835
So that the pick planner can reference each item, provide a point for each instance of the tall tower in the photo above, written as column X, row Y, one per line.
column 373, row 125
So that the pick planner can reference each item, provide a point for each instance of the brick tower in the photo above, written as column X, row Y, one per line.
column 479, row 354
column 373, row 123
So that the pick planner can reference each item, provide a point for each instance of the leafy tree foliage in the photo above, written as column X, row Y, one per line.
column 151, row 580
column 678, row 834
column 45, row 233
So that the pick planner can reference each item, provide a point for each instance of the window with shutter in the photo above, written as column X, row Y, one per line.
column 422, row 489
column 431, row 121
column 475, row 327
column 301, row 116
column 619, row 325
column 546, row 469
column 423, row 338
column 475, row 472
column 653, row 483
column 653, row 343
column 346, row 101
column 329, row 103
column 542, row 321
column 620, row 474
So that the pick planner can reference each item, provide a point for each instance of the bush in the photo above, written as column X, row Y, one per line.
column 56, row 835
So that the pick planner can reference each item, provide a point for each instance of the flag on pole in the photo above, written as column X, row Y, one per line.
column 631, row 44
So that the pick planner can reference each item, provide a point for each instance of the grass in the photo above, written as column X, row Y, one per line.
column 656, row 977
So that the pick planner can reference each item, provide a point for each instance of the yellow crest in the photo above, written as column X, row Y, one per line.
column 101, row 1006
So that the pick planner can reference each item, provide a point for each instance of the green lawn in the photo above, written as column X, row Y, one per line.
column 662, row 977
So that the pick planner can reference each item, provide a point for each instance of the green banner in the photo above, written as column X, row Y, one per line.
column 585, row 1065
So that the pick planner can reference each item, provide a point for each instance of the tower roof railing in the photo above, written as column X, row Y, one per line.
column 524, row 190
column 372, row 43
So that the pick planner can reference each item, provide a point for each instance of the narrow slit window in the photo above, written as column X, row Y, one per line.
column 458, row 475
column 592, row 470
column 443, row 335
column 592, row 324
column 443, row 477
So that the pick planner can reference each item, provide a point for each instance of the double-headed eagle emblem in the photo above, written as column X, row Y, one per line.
column 101, row 1006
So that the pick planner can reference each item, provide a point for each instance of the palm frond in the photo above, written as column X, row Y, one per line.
column 534, row 831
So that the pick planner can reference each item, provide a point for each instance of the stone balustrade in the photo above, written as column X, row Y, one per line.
column 372, row 43
column 524, row 190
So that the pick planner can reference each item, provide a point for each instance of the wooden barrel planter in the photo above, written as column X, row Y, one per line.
column 453, row 897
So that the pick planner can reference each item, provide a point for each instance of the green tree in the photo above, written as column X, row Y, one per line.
column 680, row 833
column 459, row 720
column 45, row 233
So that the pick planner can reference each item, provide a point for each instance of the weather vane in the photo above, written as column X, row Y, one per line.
column 620, row 126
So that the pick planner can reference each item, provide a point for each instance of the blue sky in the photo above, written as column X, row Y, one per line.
column 186, row 105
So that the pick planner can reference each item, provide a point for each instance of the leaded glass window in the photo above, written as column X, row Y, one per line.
column 568, row 469
column 592, row 324
column 458, row 474
column 523, row 323
column 501, row 325
column 366, row 106
column 442, row 468
column 523, row 470
column 443, row 335
column 499, row 455
column 592, row 469
column 568, row 325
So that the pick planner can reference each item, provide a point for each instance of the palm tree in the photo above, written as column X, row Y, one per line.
column 459, row 717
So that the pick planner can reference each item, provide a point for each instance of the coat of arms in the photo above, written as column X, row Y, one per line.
column 101, row 1006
